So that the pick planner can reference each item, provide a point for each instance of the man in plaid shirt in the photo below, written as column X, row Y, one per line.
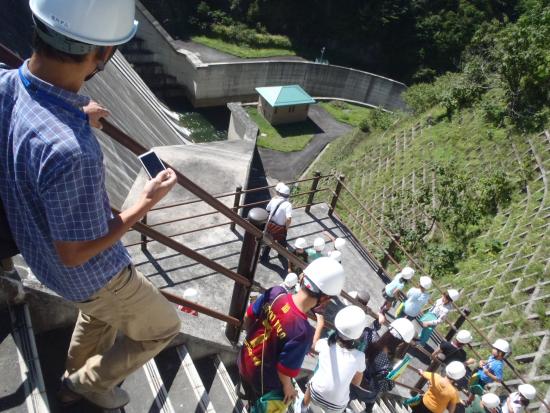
column 52, row 186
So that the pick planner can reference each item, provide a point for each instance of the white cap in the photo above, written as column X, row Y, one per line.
column 350, row 322
column 455, row 370
column 490, row 400
column 98, row 22
column 527, row 391
column 300, row 243
column 319, row 244
column 453, row 294
column 403, row 329
column 324, row 275
column 282, row 188
column 336, row 255
column 190, row 294
column 291, row 280
column 464, row 336
column 425, row 282
column 502, row 345
column 406, row 273
column 339, row 243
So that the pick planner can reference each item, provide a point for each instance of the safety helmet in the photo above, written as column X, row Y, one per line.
column 490, row 400
column 406, row 273
column 282, row 189
column 324, row 276
column 336, row 255
column 527, row 391
column 362, row 296
column 319, row 244
column 98, row 22
column 425, row 282
column 455, row 370
column 502, row 345
column 403, row 329
column 339, row 243
column 291, row 280
column 300, row 243
column 464, row 336
column 350, row 322
column 453, row 294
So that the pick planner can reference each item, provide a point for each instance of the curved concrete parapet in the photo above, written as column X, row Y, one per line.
column 210, row 84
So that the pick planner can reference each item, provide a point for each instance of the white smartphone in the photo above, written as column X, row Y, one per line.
column 151, row 163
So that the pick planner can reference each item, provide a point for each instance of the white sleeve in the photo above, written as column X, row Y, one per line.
column 288, row 210
column 361, row 364
column 269, row 205
column 321, row 345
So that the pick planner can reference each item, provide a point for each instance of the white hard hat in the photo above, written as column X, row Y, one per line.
column 350, row 322
column 282, row 189
column 339, row 243
column 527, row 391
column 291, row 280
column 464, row 336
column 319, row 244
column 502, row 345
column 453, row 294
column 98, row 22
column 403, row 329
column 455, row 370
column 300, row 243
column 336, row 255
column 324, row 275
column 406, row 273
column 425, row 282
column 490, row 400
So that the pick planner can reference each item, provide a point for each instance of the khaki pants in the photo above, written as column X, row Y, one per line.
column 129, row 303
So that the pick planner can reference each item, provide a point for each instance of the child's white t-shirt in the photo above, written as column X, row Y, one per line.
column 337, row 366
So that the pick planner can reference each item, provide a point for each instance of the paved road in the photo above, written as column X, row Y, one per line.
column 286, row 166
column 209, row 55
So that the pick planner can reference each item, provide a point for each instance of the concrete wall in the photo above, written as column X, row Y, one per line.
column 241, row 127
column 281, row 115
column 219, row 83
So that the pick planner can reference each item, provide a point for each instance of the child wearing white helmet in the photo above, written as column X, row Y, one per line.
column 442, row 394
column 317, row 250
column 518, row 401
column 328, row 389
column 487, row 403
column 416, row 299
column 437, row 314
column 448, row 352
column 279, row 218
column 397, row 284
column 379, row 353
column 299, row 249
column 278, row 332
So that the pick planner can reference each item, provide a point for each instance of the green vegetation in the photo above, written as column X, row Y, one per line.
column 346, row 112
column 285, row 138
column 240, row 50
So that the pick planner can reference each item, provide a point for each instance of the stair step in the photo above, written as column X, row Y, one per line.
column 148, row 68
column 219, row 385
column 139, row 56
column 19, row 356
column 182, row 381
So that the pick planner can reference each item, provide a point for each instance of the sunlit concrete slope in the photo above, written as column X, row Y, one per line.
column 133, row 106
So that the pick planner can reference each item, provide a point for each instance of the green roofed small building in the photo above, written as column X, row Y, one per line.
column 284, row 104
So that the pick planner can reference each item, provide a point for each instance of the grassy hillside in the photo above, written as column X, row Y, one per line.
column 503, row 266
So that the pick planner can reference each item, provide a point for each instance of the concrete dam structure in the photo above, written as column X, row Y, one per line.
column 210, row 84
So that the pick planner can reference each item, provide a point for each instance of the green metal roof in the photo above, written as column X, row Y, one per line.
column 278, row 96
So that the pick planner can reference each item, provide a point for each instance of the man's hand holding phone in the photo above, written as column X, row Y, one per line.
column 155, row 189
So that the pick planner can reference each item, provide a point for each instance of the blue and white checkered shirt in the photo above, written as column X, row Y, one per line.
column 52, row 183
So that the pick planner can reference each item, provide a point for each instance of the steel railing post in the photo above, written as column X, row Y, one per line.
column 143, row 236
column 250, row 252
column 314, row 184
column 336, row 194
column 236, row 203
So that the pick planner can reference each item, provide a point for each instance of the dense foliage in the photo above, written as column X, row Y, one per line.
column 406, row 40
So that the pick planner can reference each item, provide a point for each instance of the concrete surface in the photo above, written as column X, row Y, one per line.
column 241, row 126
column 211, row 84
column 208, row 55
column 287, row 166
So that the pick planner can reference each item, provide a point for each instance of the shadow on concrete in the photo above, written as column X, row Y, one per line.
column 307, row 127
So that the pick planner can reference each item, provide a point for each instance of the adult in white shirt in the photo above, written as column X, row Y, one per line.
column 518, row 401
column 280, row 216
column 340, row 363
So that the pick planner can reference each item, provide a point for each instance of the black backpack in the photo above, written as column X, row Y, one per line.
column 8, row 248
